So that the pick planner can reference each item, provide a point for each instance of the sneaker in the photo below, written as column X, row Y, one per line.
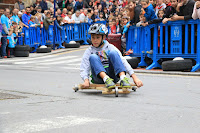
column 4, row 56
column 125, row 83
column 109, row 83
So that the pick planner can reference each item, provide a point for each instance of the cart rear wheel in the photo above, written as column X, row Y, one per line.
column 76, row 88
column 116, row 91
column 134, row 88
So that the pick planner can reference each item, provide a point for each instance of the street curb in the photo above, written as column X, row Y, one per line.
column 168, row 73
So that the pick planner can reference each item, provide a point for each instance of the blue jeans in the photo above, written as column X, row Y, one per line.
column 115, row 67
column 3, row 46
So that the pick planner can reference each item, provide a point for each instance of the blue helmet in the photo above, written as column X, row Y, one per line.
column 98, row 28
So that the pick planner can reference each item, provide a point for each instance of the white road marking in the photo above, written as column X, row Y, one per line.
column 61, row 62
column 27, row 58
column 4, row 113
column 47, row 60
column 49, row 124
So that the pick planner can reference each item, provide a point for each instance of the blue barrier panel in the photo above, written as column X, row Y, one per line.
column 50, row 35
column 75, row 32
column 26, row 36
column 174, row 39
column 101, row 22
column 58, row 38
column 180, row 43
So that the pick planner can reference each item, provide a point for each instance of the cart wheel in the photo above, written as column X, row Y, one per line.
column 116, row 91
column 76, row 88
column 134, row 88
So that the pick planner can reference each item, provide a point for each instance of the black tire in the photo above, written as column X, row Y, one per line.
column 76, row 89
column 51, row 45
column 178, row 65
column 134, row 88
column 133, row 61
column 43, row 50
column 22, row 48
column 76, row 45
column 21, row 53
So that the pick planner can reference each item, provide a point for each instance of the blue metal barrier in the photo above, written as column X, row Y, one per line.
column 35, row 37
column 101, row 22
column 76, row 32
column 174, row 39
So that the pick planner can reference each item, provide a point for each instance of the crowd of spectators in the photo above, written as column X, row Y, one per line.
column 119, row 15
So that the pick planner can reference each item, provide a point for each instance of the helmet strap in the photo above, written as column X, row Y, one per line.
column 101, row 42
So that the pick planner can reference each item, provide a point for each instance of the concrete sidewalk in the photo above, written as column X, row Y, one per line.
column 160, row 71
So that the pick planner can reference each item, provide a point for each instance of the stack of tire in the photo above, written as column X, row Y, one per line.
column 72, row 44
column 43, row 49
column 133, row 61
column 21, row 51
column 177, row 64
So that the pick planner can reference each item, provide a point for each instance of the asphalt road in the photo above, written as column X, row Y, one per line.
column 36, row 96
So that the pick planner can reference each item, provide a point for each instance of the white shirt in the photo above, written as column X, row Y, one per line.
column 75, row 18
column 68, row 19
column 83, row 17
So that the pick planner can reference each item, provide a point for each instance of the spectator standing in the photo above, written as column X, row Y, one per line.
column 97, row 3
column 196, row 10
column 68, row 19
column 160, row 6
column 95, row 16
column 83, row 15
column 1, row 28
column 44, row 14
column 38, row 18
column 31, row 22
column 59, row 3
column 19, row 5
column 26, row 17
column 142, row 20
column 89, row 21
column 1, row 11
column 91, row 4
column 86, row 4
column 64, row 13
column 5, row 32
column 78, row 5
column 47, row 21
column 115, row 27
column 43, row 5
column 125, row 2
column 126, row 25
column 20, row 15
column 69, row 4
column 104, row 4
column 184, row 10
column 59, row 12
column 170, row 11
column 153, row 2
column 15, row 17
column 33, row 10
column 149, row 11
column 76, row 17
column 37, row 3
column 39, row 9
column 101, row 16
column 133, row 11
column 105, row 14
column 50, row 4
